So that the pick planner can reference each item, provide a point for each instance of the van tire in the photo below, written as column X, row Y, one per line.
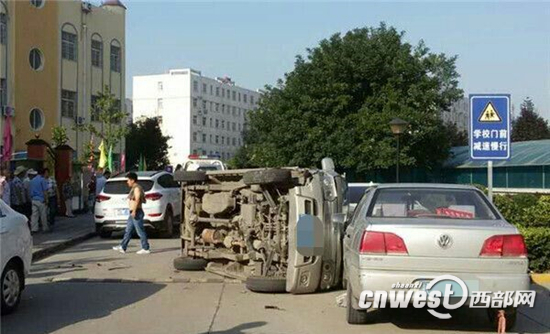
column 267, row 176
column 266, row 284
column 190, row 176
column 185, row 263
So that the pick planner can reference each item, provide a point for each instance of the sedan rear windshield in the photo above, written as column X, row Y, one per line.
column 120, row 187
column 430, row 203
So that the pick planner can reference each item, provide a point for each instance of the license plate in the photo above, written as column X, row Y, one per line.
column 123, row 212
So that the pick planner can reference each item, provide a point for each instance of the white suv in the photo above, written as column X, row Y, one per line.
column 162, row 209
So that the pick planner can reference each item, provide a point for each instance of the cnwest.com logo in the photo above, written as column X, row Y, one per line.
column 427, row 296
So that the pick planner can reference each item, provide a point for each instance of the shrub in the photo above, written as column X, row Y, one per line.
column 537, row 240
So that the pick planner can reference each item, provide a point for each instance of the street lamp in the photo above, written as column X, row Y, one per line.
column 398, row 126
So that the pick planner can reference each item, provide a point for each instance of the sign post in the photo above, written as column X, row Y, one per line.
column 490, row 131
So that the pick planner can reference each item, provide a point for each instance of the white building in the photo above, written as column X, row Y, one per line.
column 201, row 115
column 458, row 114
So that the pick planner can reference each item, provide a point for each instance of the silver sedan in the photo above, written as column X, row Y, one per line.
column 403, row 234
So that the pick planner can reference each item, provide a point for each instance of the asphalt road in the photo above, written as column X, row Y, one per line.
column 58, row 299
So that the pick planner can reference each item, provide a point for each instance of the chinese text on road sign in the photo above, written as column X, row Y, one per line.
column 490, row 127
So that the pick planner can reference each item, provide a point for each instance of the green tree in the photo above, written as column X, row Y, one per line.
column 108, row 110
column 339, row 100
column 529, row 125
column 455, row 136
column 145, row 139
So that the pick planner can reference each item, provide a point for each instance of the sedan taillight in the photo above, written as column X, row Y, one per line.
column 382, row 243
column 508, row 245
column 153, row 196
column 102, row 198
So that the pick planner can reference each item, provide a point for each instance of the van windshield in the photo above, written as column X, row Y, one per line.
column 121, row 188
column 430, row 203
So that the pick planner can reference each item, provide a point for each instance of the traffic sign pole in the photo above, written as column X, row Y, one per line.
column 490, row 180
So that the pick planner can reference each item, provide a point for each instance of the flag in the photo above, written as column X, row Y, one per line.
column 110, row 159
column 102, row 156
column 123, row 162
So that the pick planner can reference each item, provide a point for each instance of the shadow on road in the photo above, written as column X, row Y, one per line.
column 240, row 329
column 48, row 307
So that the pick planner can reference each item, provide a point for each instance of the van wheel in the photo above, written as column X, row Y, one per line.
column 267, row 176
column 266, row 284
column 190, row 176
column 168, row 224
column 12, row 285
column 353, row 316
column 189, row 264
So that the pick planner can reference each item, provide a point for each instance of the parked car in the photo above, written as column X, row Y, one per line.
column 244, row 224
column 16, row 254
column 203, row 162
column 162, row 208
column 410, row 233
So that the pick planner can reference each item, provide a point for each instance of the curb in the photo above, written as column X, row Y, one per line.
column 540, row 279
column 141, row 280
column 47, row 251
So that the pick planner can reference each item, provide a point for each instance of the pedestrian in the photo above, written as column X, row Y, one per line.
column 53, row 195
column 136, row 198
column 39, row 196
column 99, row 181
column 91, row 192
column 501, row 316
column 5, row 186
column 17, row 190
column 68, row 196
column 31, row 173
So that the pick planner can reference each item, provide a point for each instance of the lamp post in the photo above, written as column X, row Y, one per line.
column 398, row 126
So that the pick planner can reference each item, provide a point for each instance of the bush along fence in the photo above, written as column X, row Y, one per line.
column 531, row 215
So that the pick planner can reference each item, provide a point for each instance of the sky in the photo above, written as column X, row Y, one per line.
column 502, row 47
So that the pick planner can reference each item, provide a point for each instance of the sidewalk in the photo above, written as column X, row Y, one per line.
column 66, row 232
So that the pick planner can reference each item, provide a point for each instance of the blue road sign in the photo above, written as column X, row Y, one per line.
column 490, row 127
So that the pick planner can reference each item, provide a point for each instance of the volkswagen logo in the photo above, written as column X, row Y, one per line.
column 444, row 241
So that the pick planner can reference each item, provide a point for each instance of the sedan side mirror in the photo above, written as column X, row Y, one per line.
column 310, row 236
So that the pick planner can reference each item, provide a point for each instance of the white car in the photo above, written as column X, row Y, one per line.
column 203, row 163
column 16, row 253
column 162, row 209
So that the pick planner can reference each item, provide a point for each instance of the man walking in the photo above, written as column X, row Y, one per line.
column 31, row 173
column 39, row 196
column 17, row 190
column 68, row 196
column 53, row 193
column 136, row 199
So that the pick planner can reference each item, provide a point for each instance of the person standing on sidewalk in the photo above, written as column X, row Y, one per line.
column 31, row 173
column 39, row 196
column 53, row 195
column 136, row 199
column 17, row 190
column 5, row 186
column 68, row 196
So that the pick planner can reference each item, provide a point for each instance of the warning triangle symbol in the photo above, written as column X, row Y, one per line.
column 490, row 114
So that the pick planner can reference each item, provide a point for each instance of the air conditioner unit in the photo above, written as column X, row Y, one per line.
column 86, row 7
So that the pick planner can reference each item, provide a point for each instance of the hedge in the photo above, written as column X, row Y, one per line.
column 537, row 240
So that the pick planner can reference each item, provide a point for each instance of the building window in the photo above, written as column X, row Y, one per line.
column 195, row 102
column 211, row 139
column 204, row 137
column 94, row 111
column 223, row 108
column 97, row 53
column 116, row 59
column 223, row 140
column 204, row 121
column 36, row 59
column 234, row 141
column 217, row 91
column 3, row 92
column 217, row 139
column 195, row 86
column 36, row 119
column 217, row 123
column 223, row 92
column 68, row 103
column 223, row 124
column 234, row 95
column 251, row 99
column 234, row 126
column 37, row 3
column 217, row 107
column 204, row 88
column 194, row 136
column 244, row 98
column 3, row 28
column 194, row 119
column 159, row 86
column 204, row 105
column 239, row 127
column 211, row 93
column 160, row 104
column 239, row 97
column 68, row 46
column 234, row 111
